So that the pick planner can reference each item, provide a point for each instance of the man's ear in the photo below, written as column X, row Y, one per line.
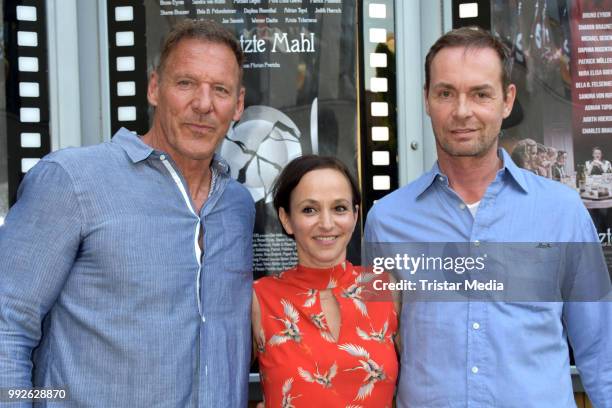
column 153, row 88
column 425, row 100
column 284, row 219
column 509, row 100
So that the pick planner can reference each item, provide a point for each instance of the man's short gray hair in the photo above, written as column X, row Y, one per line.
column 205, row 30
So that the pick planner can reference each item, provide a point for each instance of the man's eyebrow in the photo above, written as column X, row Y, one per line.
column 443, row 85
column 483, row 87
column 179, row 74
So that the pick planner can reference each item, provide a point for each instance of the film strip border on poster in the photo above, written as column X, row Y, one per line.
column 378, row 101
column 27, row 88
column 472, row 13
column 127, row 65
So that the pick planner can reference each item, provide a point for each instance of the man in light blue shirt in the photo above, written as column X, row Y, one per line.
column 125, row 268
column 488, row 354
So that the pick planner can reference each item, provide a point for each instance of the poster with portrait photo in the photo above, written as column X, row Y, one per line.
column 300, row 77
column 561, row 127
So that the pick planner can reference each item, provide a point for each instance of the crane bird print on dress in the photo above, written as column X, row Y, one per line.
column 354, row 291
column 288, row 398
column 311, row 294
column 374, row 372
column 325, row 380
column 319, row 321
column 378, row 336
column 290, row 321
column 311, row 297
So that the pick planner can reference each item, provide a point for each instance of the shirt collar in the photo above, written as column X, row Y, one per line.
column 137, row 150
column 219, row 164
column 508, row 166
column 515, row 171
column 423, row 183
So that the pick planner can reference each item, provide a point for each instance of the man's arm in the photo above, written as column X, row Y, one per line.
column 589, row 323
column 38, row 244
column 589, row 327
column 370, row 228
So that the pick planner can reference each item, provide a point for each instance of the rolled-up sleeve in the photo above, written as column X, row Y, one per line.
column 38, row 244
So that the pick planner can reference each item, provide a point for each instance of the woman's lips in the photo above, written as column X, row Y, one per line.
column 326, row 240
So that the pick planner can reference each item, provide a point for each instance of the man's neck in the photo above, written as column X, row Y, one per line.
column 197, row 173
column 470, row 177
column 198, row 177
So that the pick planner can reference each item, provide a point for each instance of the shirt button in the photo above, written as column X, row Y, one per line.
column 476, row 326
column 477, row 243
column 462, row 206
column 203, row 319
column 441, row 178
column 475, row 369
column 162, row 157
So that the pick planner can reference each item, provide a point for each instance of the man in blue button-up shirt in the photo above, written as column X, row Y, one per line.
column 488, row 354
column 125, row 268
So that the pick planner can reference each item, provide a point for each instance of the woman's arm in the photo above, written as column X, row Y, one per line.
column 259, row 339
column 397, row 305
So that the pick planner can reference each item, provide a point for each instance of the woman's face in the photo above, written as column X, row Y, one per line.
column 597, row 154
column 321, row 217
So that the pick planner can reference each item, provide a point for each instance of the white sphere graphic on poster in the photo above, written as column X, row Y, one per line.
column 259, row 146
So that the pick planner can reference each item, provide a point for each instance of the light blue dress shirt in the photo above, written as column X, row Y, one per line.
column 104, row 289
column 494, row 354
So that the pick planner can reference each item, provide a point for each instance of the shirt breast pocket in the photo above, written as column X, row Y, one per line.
column 532, row 272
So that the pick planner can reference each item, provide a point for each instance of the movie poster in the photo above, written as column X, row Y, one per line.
column 300, row 77
column 561, row 126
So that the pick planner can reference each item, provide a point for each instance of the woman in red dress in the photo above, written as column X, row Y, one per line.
column 319, row 341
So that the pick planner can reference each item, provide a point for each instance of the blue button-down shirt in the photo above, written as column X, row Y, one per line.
column 495, row 354
column 102, row 276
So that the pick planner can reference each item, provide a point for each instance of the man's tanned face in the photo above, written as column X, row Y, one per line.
column 196, row 96
column 466, row 101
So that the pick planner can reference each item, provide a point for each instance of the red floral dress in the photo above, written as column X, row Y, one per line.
column 301, row 364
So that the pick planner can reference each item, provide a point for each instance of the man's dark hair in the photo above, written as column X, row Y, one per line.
column 293, row 172
column 560, row 154
column 204, row 30
column 471, row 38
